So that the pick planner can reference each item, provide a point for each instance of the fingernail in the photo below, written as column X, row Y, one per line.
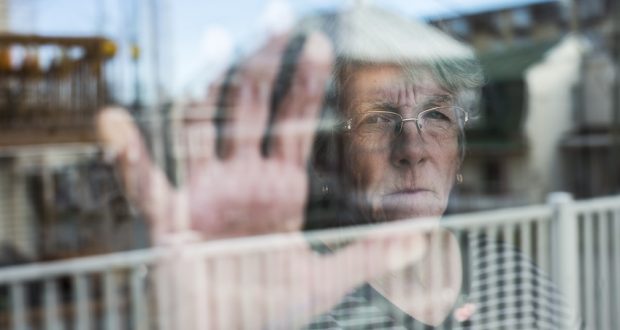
column 263, row 90
column 132, row 156
column 110, row 155
column 312, row 86
column 245, row 92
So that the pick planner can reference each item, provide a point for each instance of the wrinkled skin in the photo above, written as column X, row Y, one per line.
column 411, row 175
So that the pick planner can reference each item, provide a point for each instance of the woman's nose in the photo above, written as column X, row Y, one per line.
column 409, row 147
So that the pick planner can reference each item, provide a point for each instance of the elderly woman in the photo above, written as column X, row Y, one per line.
column 388, row 146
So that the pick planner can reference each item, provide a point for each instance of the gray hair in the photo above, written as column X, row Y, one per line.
column 366, row 35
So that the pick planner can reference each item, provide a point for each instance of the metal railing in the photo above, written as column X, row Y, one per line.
column 597, row 223
column 573, row 241
column 57, row 99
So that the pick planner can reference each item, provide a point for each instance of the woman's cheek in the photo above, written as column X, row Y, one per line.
column 367, row 166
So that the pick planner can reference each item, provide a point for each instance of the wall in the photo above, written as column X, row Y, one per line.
column 551, row 86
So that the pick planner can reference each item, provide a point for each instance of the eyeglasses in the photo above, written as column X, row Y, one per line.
column 439, row 123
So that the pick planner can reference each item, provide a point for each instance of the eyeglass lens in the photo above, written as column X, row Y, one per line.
column 438, row 123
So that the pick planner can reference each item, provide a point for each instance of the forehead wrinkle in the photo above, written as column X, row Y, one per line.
column 383, row 104
column 402, row 103
column 409, row 96
column 406, row 97
column 400, row 95
column 437, row 100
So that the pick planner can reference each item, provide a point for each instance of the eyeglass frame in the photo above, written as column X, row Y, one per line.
column 347, row 125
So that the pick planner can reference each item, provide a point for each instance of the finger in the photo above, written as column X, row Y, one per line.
column 296, row 116
column 145, row 184
column 247, row 101
column 198, row 143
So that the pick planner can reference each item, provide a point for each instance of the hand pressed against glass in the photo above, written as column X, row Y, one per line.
column 400, row 168
column 238, row 191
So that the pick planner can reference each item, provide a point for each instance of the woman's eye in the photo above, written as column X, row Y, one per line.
column 377, row 119
column 437, row 115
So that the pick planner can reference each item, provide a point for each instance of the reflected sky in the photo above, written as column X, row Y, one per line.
column 203, row 35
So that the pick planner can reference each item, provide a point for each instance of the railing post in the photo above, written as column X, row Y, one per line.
column 18, row 305
column 565, row 247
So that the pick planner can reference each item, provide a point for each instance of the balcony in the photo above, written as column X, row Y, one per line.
column 50, row 88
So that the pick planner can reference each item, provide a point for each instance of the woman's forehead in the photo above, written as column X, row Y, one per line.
column 391, row 84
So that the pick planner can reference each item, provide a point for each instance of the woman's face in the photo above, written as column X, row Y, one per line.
column 407, row 175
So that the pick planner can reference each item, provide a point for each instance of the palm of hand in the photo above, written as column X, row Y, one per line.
column 234, row 191
column 247, row 196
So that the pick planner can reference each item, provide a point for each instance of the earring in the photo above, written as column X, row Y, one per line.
column 325, row 189
column 459, row 178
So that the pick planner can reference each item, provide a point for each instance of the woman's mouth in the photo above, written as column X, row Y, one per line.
column 410, row 203
column 409, row 191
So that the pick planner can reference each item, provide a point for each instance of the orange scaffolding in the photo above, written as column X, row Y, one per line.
column 55, row 103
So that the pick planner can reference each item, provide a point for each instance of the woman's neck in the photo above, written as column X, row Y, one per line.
column 428, row 289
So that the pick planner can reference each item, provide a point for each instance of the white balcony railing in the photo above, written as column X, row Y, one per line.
column 576, row 242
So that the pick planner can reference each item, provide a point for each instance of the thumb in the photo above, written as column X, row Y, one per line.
column 144, row 182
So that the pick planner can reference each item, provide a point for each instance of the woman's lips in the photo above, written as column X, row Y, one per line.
column 412, row 191
column 408, row 202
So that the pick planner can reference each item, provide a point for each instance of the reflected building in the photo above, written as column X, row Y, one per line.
column 550, row 77
column 57, row 198
column 543, row 124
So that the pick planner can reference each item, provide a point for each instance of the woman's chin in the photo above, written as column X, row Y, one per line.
column 404, row 215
